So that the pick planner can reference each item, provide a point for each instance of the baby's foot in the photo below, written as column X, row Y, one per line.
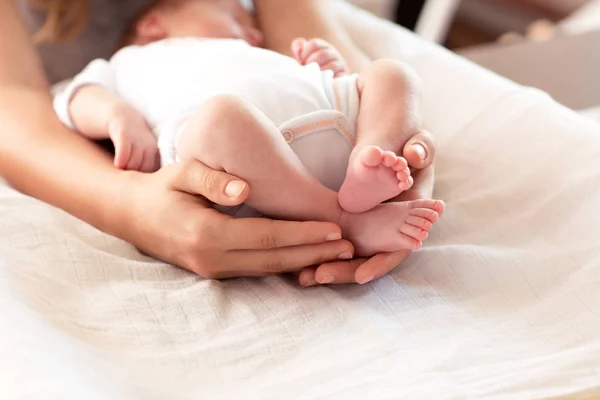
column 373, row 176
column 391, row 227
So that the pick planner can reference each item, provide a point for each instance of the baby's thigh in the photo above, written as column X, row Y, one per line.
column 219, row 123
column 220, row 127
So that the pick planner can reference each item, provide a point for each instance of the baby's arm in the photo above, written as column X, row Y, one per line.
column 91, row 106
column 321, row 52
column 91, row 109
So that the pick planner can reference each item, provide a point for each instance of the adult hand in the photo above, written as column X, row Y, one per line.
column 419, row 151
column 169, row 218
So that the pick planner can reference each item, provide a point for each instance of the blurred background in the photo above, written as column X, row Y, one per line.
column 553, row 45
column 474, row 22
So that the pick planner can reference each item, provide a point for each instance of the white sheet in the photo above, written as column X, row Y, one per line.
column 593, row 113
column 585, row 19
column 502, row 303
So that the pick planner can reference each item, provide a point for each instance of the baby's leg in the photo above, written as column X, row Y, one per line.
column 389, row 115
column 231, row 135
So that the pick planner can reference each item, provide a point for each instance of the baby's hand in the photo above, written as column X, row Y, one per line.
column 321, row 52
column 135, row 144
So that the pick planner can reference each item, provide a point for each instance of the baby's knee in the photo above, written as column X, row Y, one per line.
column 395, row 72
column 221, row 110
column 220, row 116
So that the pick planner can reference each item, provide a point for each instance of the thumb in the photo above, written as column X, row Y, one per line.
column 419, row 151
column 195, row 178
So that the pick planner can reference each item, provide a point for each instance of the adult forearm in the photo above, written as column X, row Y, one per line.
column 283, row 21
column 38, row 156
column 41, row 158
column 19, row 63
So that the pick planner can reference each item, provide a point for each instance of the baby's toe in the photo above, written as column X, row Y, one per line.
column 389, row 159
column 401, row 164
column 414, row 232
column 430, row 215
column 406, row 184
column 371, row 156
column 410, row 243
column 436, row 205
column 439, row 206
column 403, row 175
column 419, row 222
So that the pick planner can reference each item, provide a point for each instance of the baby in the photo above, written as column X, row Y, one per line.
column 193, row 83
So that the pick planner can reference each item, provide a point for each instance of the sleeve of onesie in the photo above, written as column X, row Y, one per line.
column 98, row 72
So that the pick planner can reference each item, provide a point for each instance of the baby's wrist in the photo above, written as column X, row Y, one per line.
column 119, row 114
column 119, row 110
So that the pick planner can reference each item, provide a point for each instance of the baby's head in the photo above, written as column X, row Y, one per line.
column 225, row 19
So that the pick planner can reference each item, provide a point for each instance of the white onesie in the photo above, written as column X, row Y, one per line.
column 170, row 79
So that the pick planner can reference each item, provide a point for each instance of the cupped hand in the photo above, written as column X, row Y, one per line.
column 419, row 151
column 168, row 217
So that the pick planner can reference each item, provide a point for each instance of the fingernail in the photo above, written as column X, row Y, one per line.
column 420, row 150
column 333, row 236
column 327, row 280
column 367, row 280
column 346, row 256
column 310, row 283
column 234, row 188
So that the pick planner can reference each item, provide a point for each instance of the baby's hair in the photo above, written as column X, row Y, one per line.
column 130, row 34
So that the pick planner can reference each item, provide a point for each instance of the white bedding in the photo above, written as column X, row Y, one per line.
column 502, row 303
column 593, row 113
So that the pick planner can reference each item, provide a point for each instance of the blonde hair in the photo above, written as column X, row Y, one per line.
column 65, row 19
column 130, row 35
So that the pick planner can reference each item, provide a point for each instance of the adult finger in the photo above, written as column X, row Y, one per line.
column 419, row 151
column 306, row 277
column 337, row 273
column 379, row 266
column 264, row 234
column 195, row 178
column 287, row 259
